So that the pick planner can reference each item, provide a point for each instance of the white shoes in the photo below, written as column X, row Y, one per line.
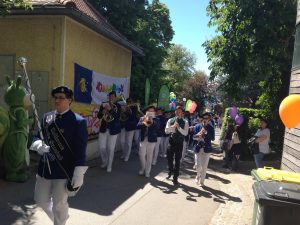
column 108, row 170
column 198, row 182
column 197, row 179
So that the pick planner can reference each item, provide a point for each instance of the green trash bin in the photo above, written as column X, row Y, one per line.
column 276, row 203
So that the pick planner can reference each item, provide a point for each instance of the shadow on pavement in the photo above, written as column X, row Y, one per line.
column 221, row 196
column 16, row 202
column 104, row 192
column 192, row 193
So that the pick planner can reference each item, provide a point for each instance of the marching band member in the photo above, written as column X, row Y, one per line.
column 109, row 130
column 149, row 126
column 178, row 128
column 186, row 138
column 129, row 127
column 205, row 133
column 165, row 138
column 160, row 131
column 121, row 140
column 62, row 165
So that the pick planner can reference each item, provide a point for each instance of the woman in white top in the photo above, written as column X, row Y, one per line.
column 263, row 139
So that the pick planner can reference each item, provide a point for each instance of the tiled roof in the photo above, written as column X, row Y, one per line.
column 84, row 7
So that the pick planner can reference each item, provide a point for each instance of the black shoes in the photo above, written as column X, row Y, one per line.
column 175, row 181
column 169, row 175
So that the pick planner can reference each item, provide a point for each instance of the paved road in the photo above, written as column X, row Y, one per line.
column 123, row 197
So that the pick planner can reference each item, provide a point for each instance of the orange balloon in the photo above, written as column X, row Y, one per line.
column 289, row 111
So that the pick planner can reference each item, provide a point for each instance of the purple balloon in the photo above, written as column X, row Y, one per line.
column 239, row 119
column 172, row 105
column 233, row 112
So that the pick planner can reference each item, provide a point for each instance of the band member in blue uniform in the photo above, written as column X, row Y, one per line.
column 165, row 138
column 129, row 126
column 178, row 128
column 63, row 156
column 149, row 126
column 160, row 132
column 110, row 127
column 204, row 132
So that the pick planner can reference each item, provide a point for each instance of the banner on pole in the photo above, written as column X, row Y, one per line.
column 163, row 97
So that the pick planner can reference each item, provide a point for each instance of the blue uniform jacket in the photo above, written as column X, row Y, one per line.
column 113, row 126
column 74, row 129
column 208, row 137
column 162, row 126
column 130, row 124
column 152, row 130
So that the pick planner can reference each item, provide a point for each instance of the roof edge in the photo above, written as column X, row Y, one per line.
column 82, row 18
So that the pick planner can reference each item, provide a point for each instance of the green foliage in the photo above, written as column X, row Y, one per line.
column 195, row 88
column 250, row 126
column 146, row 25
column 254, row 44
column 252, row 54
column 6, row 5
column 179, row 66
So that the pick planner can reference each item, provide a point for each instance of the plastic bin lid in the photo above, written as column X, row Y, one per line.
column 269, row 173
column 273, row 190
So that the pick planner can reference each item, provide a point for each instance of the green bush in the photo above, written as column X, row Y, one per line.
column 248, row 128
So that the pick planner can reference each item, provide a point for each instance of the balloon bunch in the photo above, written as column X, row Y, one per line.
column 233, row 113
column 172, row 97
column 190, row 106
column 289, row 111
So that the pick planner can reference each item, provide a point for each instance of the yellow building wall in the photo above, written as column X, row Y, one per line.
column 54, row 43
column 93, row 51
column 36, row 38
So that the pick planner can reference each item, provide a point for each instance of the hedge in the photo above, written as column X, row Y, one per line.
column 251, row 124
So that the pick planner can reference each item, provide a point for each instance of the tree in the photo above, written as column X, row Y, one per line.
column 254, row 45
column 146, row 25
column 6, row 5
column 253, row 52
column 179, row 66
column 197, row 89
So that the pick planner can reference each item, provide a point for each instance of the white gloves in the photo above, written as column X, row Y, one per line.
column 39, row 147
column 78, row 176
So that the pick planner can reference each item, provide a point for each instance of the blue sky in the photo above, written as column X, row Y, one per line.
column 189, row 21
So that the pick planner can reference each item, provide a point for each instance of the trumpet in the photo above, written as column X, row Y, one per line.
column 148, row 121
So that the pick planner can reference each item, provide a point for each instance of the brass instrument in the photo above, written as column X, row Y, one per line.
column 148, row 119
column 139, row 111
column 107, row 117
column 126, row 110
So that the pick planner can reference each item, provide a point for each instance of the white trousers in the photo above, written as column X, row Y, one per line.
column 146, row 155
column 136, row 137
column 126, row 139
column 202, row 160
column 52, row 197
column 107, row 144
column 156, row 151
column 164, row 145
column 121, row 141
